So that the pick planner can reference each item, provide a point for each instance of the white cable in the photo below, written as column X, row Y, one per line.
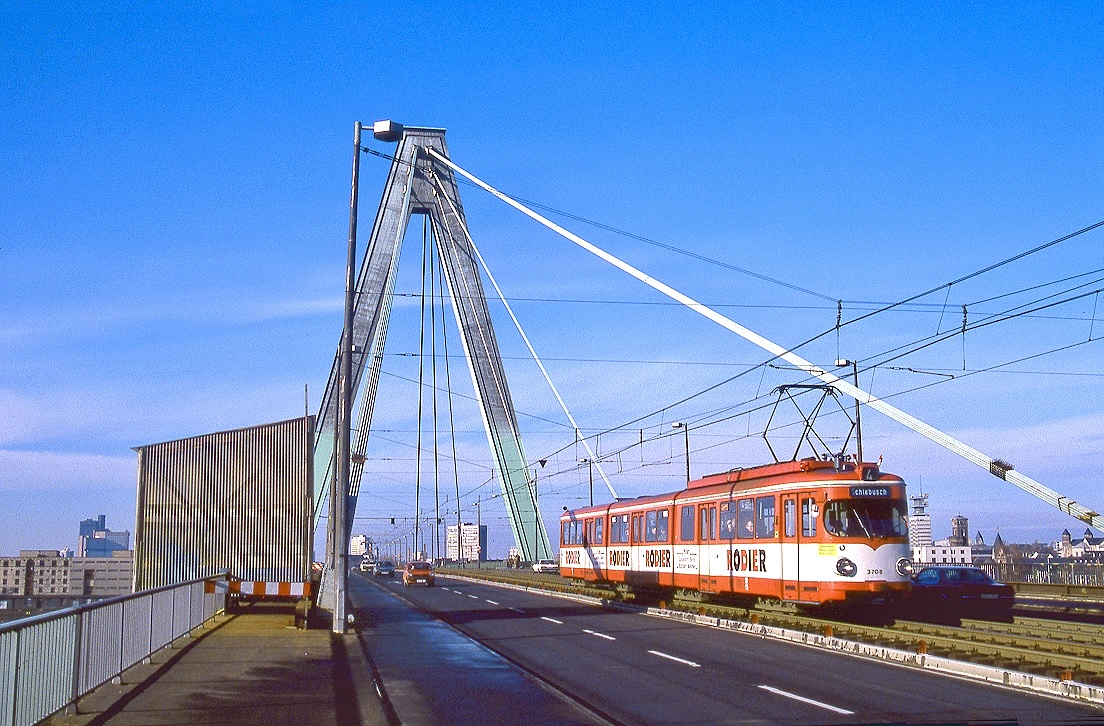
column 995, row 466
column 517, row 324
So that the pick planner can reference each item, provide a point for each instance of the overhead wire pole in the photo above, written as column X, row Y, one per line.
column 339, row 501
column 997, row 467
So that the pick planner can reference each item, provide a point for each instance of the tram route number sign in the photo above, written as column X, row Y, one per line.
column 869, row 492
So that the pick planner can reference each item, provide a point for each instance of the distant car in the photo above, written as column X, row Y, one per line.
column 367, row 565
column 418, row 573
column 955, row 592
column 384, row 568
column 546, row 566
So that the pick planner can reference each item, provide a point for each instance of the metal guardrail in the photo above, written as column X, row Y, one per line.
column 1078, row 574
column 48, row 661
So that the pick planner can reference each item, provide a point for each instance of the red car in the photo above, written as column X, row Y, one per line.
column 418, row 573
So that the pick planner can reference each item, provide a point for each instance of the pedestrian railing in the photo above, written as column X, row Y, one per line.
column 48, row 661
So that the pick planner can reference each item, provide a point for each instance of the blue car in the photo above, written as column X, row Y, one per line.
column 949, row 593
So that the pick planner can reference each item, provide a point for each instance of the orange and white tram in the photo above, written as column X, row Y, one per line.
column 810, row 532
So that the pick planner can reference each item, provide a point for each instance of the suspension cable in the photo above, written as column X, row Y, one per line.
column 528, row 344
column 997, row 467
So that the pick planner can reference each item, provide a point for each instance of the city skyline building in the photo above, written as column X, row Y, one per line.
column 96, row 540
column 470, row 546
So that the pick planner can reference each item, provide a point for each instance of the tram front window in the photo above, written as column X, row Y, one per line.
column 876, row 518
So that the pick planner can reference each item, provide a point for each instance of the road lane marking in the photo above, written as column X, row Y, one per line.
column 474, row 597
column 492, row 602
column 671, row 657
column 518, row 611
column 794, row 696
column 552, row 620
column 600, row 635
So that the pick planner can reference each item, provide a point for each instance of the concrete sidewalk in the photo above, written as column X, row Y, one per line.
column 253, row 667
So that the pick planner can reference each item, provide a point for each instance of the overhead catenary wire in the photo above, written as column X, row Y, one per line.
column 996, row 466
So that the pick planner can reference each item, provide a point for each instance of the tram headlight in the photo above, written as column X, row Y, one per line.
column 846, row 567
column 904, row 567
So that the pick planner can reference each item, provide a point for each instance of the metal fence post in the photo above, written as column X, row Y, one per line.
column 77, row 632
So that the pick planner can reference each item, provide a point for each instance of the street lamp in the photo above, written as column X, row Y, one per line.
column 590, row 468
column 842, row 363
column 686, row 437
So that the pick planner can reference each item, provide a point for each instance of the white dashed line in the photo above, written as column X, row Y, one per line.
column 492, row 602
column 474, row 597
column 600, row 635
column 518, row 611
column 671, row 657
column 552, row 620
column 794, row 696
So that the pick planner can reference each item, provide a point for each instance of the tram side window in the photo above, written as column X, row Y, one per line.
column 623, row 529
column 728, row 520
column 789, row 514
column 712, row 523
column 565, row 533
column 704, row 523
column 577, row 532
column 650, row 527
column 638, row 525
column 808, row 517
column 745, row 515
column 588, row 532
column 764, row 518
column 686, row 528
column 598, row 531
column 662, row 522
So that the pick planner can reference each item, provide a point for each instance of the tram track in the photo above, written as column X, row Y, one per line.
column 1060, row 649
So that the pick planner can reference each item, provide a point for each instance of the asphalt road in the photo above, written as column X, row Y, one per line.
column 636, row 669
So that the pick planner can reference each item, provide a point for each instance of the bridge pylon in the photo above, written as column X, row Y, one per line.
column 418, row 184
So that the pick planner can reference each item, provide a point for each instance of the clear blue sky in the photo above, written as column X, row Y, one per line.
column 174, row 200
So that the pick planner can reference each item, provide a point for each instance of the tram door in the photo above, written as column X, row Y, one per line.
column 791, row 539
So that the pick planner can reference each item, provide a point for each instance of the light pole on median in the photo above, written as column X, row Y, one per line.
column 686, row 437
column 590, row 472
column 843, row 363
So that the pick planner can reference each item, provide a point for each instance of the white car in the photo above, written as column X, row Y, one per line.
column 546, row 566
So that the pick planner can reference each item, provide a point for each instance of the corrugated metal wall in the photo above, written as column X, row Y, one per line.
column 237, row 501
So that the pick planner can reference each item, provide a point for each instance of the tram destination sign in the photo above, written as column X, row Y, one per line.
column 869, row 492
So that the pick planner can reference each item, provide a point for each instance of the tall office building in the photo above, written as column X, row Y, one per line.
column 96, row 540
column 920, row 535
column 469, row 546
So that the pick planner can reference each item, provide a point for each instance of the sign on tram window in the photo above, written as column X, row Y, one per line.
column 808, row 517
column 686, row 528
column 868, row 492
column 745, row 525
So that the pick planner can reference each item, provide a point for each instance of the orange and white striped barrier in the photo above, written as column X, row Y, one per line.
column 258, row 589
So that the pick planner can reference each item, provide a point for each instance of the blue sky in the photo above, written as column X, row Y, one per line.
column 173, row 210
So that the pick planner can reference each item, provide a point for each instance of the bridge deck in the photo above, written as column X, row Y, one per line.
column 253, row 667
